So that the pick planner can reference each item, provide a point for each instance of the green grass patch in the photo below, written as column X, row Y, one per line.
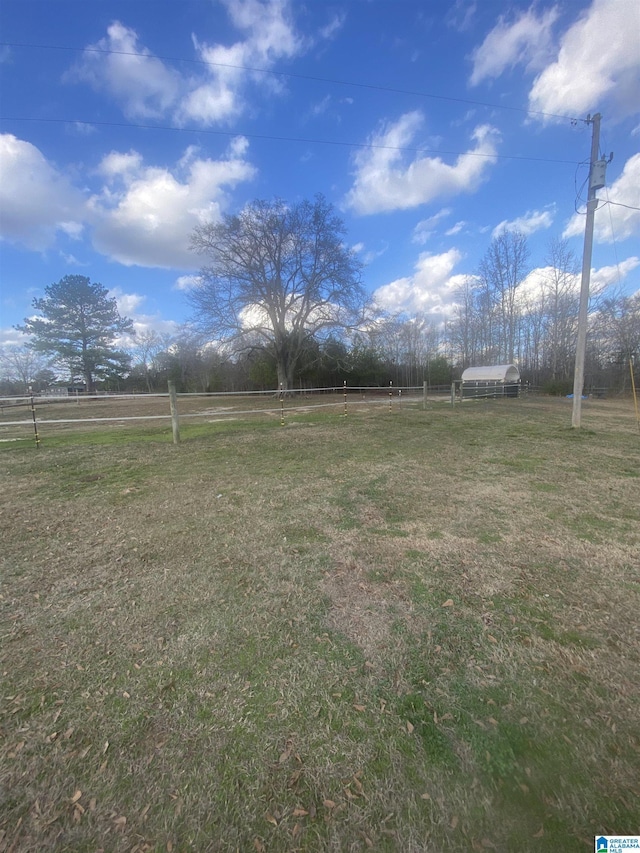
column 340, row 634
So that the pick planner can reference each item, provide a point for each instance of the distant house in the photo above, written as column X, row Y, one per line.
column 497, row 380
column 77, row 388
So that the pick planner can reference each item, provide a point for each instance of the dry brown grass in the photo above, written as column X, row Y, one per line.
column 407, row 631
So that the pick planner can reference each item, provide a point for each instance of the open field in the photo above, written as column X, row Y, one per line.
column 407, row 630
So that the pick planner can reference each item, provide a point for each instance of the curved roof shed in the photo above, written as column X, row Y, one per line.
column 494, row 373
column 494, row 380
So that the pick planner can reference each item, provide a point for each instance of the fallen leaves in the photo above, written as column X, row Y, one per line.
column 286, row 753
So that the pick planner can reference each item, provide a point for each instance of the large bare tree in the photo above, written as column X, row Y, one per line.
column 277, row 276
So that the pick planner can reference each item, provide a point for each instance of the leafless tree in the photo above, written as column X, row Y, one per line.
column 24, row 366
column 502, row 270
column 562, row 297
column 279, row 276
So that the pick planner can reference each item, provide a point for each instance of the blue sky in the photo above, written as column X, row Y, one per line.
column 429, row 125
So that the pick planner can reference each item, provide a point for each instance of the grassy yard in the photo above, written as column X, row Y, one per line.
column 404, row 630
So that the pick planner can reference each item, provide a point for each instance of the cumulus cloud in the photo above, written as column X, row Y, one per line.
column 527, row 40
column 142, row 214
column 617, row 222
column 36, row 200
column 128, row 303
column 612, row 275
column 532, row 221
column 187, row 282
column 142, row 85
column 385, row 182
column 269, row 36
column 537, row 281
column 145, row 86
column 598, row 59
column 145, row 214
column 429, row 290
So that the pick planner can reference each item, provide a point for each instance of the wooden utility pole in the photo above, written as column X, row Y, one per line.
column 596, row 181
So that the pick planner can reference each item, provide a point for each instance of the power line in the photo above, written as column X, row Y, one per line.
column 620, row 204
column 309, row 77
column 273, row 138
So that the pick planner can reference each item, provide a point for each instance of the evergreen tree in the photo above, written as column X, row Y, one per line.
column 79, row 325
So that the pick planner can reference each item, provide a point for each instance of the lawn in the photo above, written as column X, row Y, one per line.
column 408, row 629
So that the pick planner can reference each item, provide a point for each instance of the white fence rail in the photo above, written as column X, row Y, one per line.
column 21, row 416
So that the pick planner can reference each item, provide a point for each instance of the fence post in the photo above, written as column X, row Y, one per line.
column 424, row 395
column 33, row 415
column 173, row 404
column 453, row 393
column 345, row 397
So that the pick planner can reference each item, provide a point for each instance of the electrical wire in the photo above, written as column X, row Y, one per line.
column 293, row 76
column 620, row 204
column 273, row 138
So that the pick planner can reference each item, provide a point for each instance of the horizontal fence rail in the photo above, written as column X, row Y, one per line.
column 20, row 415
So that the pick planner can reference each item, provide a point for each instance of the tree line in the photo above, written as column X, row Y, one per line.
column 280, row 302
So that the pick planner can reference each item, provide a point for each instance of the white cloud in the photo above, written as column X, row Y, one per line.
column 430, row 290
column 128, row 303
column 118, row 163
column 613, row 222
column 334, row 26
column 141, row 215
column 36, row 200
column 461, row 14
column 269, row 36
column 321, row 106
column 455, row 229
column 532, row 221
column 187, row 282
column 10, row 337
column 384, row 182
column 524, row 41
column 536, row 282
column 614, row 274
column 425, row 228
column 145, row 214
column 143, row 86
column 598, row 59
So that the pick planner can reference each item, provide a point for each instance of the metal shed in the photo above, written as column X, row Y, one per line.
column 496, row 380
